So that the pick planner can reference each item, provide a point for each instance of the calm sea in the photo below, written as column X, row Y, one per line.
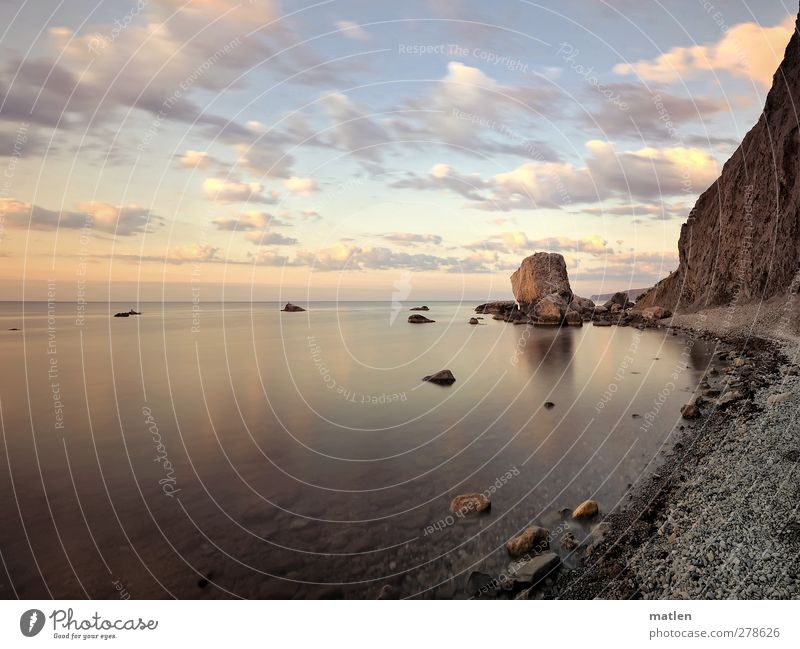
column 231, row 450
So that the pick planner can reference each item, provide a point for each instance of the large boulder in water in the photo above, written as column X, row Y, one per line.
column 540, row 275
column 292, row 308
column 419, row 319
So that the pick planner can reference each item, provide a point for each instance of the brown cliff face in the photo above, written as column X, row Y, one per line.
column 741, row 242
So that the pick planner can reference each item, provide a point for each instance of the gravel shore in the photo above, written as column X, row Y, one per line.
column 721, row 518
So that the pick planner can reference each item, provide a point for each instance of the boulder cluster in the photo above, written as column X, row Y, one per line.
column 544, row 297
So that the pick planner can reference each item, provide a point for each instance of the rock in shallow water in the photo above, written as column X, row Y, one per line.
column 442, row 377
column 470, row 504
column 536, row 569
column 532, row 539
column 292, row 308
column 419, row 319
column 586, row 509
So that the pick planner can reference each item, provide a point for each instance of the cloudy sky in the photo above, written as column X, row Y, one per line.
column 333, row 149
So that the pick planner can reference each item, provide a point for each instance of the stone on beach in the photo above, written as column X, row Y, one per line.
column 729, row 398
column 532, row 538
column 442, row 377
column 419, row 319
column 469, row 504
column 778, row 398
column 690, row 411
column 655, row 313
column 586, row 509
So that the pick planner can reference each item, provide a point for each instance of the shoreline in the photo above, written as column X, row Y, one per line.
column 720, row 518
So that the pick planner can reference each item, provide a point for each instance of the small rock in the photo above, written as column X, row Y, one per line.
column 778, row 398
column 549, row 404
column 690, row 411
column 292, row 308
column 442, row 377
column 534, row 570
column 469, row 504
column 419, row 308
column 473, row 321
column 569, row 542
column 533, row 538
column 729, row 397
column 586, row 509
column 419, row 319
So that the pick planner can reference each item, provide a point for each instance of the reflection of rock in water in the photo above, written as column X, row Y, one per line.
column 547, row 349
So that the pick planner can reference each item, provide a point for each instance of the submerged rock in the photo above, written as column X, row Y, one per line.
column 419, row 308
column 587, row 509
column 536, row 569
column 469, row 504
column 292, row 308
column 419, row 319
column 499, row 307
column 532, row 538
column 442, row 377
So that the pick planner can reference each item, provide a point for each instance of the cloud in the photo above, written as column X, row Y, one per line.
column 519, row 242
column 196, row 160
column 640, row 268
column 192, row 252
column 248, row 221
column 121, row 220
column 661, row 210
column 269, row 239
column 442, row 176
column 352, row 30
column 411, row 238
column 470, row 110
column 647, row 173
column 302, row 186
column 352, row 129
column 226, row 191
column 746, row 50
column 652, row 112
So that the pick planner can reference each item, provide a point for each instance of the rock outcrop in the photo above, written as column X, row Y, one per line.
column 741, row 242
column 292, row 308
column 541, row 275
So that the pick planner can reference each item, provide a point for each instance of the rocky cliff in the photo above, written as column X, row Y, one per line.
column 741, row 242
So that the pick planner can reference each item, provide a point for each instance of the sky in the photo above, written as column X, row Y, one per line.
column 263, row 150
